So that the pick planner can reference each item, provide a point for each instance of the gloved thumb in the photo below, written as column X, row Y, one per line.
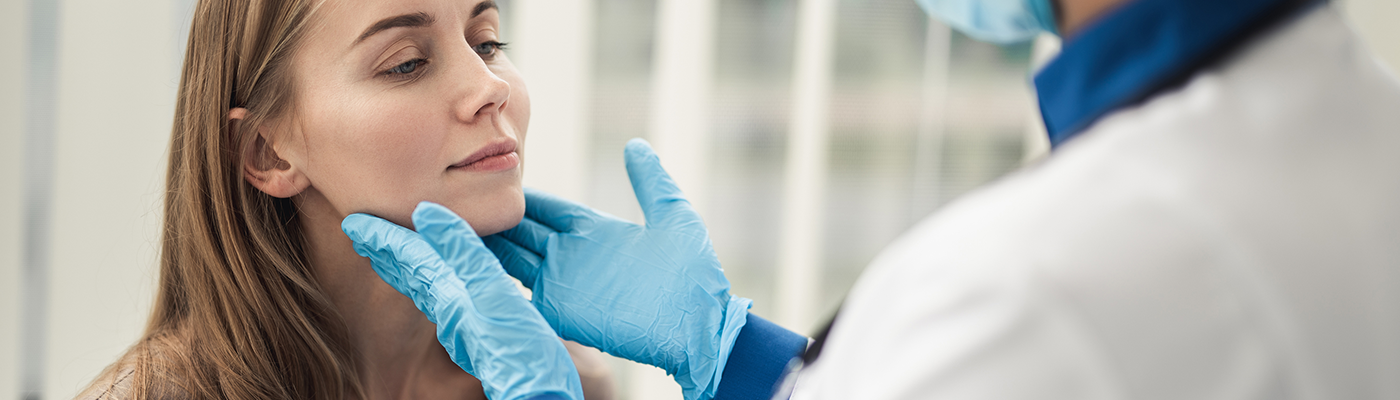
column 661, row 200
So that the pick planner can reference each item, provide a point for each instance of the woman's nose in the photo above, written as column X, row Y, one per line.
column 484, row 93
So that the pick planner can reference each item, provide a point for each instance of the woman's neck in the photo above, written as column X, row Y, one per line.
column 400, row 356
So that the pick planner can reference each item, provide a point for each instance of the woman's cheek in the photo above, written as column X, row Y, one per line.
column 383, row 173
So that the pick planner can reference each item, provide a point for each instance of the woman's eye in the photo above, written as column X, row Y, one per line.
column 488, row 49
column 407, row 67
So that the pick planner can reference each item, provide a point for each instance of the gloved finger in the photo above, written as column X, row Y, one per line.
column 529, row 234
column 660, row 198
column 518, row 261
column 459, row 246
column 553, row 211
column 388, row 244
column 398, row 255
column 498, row 332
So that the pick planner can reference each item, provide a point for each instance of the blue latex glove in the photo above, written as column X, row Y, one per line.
column 487, row 327
column 654, row 294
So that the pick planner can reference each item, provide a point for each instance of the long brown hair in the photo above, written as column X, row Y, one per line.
column 239, row 314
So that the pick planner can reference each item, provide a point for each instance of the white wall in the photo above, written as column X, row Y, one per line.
column 551, row 44
column 116, row 84
column 13, row 15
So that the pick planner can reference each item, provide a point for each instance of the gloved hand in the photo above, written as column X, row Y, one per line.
column 654, row 294
column 487, row 327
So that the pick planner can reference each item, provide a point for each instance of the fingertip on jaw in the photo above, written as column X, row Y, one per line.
column 352, row 224
column 433, row 217
column 427, row 206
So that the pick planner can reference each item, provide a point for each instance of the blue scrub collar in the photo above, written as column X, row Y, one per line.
column 1143, row 48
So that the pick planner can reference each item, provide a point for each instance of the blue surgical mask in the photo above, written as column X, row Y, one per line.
column 996, row 21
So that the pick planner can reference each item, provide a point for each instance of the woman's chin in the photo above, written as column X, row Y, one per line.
column 494, row 215
column 497, row 223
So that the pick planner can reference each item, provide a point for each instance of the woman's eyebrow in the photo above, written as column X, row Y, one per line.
column 482, row 7
column 414, row 20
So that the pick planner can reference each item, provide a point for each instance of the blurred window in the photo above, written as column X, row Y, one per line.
column 877, row 184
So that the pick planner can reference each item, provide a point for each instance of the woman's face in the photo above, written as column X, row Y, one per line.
column 402, row 101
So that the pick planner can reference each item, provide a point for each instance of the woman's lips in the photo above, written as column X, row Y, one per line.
column 496, row 156
column 499, row 162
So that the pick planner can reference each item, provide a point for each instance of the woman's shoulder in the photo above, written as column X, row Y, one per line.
column 143, row 372
column 113, row 384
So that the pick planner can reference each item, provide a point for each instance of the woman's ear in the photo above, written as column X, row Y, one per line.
column 261, row 165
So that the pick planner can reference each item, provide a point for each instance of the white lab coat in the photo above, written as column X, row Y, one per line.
column 1235, row 238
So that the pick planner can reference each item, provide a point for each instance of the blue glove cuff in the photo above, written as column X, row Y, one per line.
column 736, row 314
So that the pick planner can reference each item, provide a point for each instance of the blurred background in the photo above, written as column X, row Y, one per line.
column 809, row 133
